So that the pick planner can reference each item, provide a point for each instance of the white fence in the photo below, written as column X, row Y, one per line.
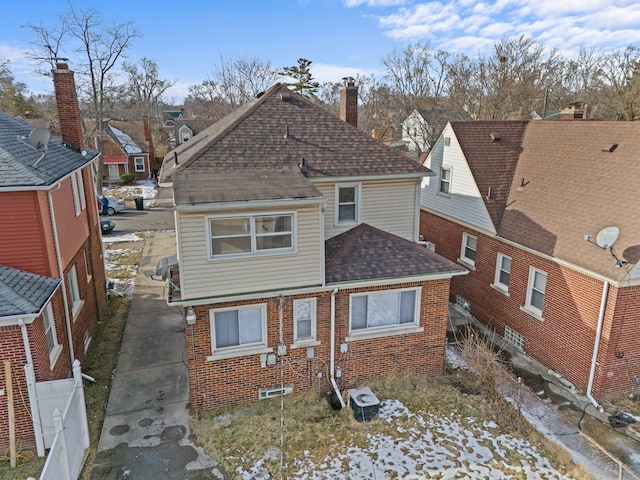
column 65, row 434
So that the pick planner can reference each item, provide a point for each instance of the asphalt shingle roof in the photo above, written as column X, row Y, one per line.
column 277, row 132
column 24, row 293
column 21, row 165
column 368, row 253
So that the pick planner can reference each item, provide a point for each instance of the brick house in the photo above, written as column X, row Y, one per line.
column 521, row 205
column 123, row 154
column 298, row 255
column 52, row 279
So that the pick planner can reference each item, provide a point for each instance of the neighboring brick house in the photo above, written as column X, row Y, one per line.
column 520, row 204
column 123, row 154
column 52, row 279
column 298, row 255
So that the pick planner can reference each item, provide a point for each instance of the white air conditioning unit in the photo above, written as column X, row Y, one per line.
column 270, row 392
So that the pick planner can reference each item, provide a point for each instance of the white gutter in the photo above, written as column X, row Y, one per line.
column 279, row 202
column 61, row 271
column 333, row 346
column 360, row 178
column 596, row 346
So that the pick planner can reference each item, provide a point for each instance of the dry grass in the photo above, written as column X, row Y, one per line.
column 241, row 437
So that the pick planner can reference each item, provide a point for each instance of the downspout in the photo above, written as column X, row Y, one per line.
column 30, row 379
column 596, row 346
column 333, row 347
column 25, row 341
column 61, row 271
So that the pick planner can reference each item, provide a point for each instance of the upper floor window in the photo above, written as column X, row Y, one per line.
column 138, row 163
column 77, row 202
column 503, row 272
column 239, row 235
column 347, row 209
column 536, row 287
column 379, row 310
column 468, row 250
column 238, row 329
column 445, row 180
column 304, row 317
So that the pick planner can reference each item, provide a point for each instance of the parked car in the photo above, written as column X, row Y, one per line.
column 115, row 205
column 107, row 225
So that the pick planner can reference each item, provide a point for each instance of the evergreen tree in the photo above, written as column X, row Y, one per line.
column 303, row 80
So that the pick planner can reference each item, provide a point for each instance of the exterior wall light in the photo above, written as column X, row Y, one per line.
column 191, row 316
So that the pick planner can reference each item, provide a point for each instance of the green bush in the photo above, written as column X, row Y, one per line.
column 128, row 178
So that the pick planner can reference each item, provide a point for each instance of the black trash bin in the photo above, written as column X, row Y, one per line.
column 139, row 203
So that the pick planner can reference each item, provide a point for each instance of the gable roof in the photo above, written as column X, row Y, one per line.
column 21, row 165
column 570, row 182
column 24, row 293
column 280, row 131
column 128, row 144
column 348, row 257
column 492, row 149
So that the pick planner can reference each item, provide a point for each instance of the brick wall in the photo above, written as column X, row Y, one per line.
column 67, row 103
column 216, row 384
column 564, row 339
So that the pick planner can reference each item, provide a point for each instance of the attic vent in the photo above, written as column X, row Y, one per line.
column 447, row 141
column 259, row 94
column 609, row 147
column 285, row 97
column 495, row 137
column 270, row 392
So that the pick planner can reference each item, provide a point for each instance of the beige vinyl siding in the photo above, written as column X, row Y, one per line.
column 464, row 201
column 387, row 205
column 201, row 277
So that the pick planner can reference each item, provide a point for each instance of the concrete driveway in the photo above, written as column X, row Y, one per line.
column 145, row 434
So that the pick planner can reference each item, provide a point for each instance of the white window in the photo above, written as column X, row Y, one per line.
column 83, row 198
column 535, row 291
column 347, row 204
column 76, row 195
column 239, row 235
column 445, row 180
column 304, row 320
column 74, row 292
column 468, row 249
column 238, row 329
column 138, row 163
column 503, row 272
column 379, row 310
column 185, row 137
column 50, row 333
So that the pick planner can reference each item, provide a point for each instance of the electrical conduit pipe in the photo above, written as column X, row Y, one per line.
column 333, row 347
column 596, row 346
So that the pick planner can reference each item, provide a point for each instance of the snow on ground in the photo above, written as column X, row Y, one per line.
column 141, row 188
column 434, row 447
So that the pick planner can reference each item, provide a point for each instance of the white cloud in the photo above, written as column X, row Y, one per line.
column 333, row 73
column 373, row 3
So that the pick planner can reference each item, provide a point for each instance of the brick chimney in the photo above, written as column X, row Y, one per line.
column 575, row 111
column 67, row 102
column 349, row 101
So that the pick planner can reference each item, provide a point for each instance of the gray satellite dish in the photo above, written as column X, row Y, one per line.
column 39, row 138
column 607, row 237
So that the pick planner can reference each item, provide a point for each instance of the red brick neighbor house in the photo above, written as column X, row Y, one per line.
column 543, row 214
column 52, row 279
column 298, row 255
column 123, row 155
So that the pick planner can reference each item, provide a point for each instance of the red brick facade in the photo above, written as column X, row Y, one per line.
column 564, row 339
column 219, row 383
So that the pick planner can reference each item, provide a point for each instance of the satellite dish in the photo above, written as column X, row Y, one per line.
column 39, row 138
column 607, row 237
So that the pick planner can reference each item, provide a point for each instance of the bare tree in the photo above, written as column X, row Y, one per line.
column 620, row 87
column 100, row 45
column 144, row 86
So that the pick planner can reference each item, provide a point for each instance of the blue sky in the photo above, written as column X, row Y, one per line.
column 340, row 37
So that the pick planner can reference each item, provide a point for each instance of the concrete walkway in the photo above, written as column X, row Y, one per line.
column 145, row 434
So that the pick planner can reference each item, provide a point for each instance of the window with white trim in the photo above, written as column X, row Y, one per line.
column 536, row 287
column 74, row 292
column 380, row 310
column 468, row 249
column 503, row 272
column 445, row 181
column 138, row 163
column 238, row 328
column 241, row 235
column 347, row 208
column 304, row 320
column 81, row 194
column 50, row 331
column 76, row 195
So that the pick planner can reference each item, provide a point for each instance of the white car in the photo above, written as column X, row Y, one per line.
column 114, row 206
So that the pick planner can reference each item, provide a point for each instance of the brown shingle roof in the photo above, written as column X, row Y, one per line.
column 277, row 132
column 574, row 186
column 368, row 253
column 492, row 149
